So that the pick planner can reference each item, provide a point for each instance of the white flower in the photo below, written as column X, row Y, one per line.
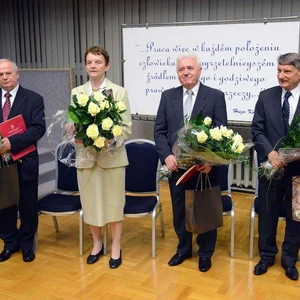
column 98, row 96
column 107, row 123
column 92, row 131
column 238, row 147
column 207, row 121
column 226, row 132
column 202, row 137
column 117, row 130
column 99, row 142
column 93, row 109
column 82, row 99
column 120, row 105
column 237, row 138
column 216, row 133
column 104, row 104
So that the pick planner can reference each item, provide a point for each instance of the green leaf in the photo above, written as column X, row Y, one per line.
column 81, row 135
column 73, row 116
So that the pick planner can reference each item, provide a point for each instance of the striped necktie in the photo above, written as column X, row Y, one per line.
column 6, row 106
column 188, row 105
column 286, row 110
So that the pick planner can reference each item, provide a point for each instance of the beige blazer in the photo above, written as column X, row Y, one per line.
column 108, row 160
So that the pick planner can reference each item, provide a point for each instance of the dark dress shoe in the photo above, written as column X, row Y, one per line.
column 6, row 254
column 91, row 259
column 178, row 259
column 291, row 272
column 28, row 255
column 115, row 263
column 204, row 264
column 262, row 267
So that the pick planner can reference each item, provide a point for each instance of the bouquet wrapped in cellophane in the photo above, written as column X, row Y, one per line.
column 98, row 127
column 200, row 143
column 288, row 153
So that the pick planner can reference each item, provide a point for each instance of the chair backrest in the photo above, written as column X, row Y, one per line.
column 142, row 171
column 66, row 176
column 225, row 177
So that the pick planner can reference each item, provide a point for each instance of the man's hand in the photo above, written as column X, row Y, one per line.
column 6, row 146
column 171, row 163
column 275, row 160
column 204, row 168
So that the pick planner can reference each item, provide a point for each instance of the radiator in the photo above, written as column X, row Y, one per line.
column 243, row 177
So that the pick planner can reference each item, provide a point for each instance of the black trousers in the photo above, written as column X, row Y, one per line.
column 274, row 197
column 206, row 241
column 23, row 236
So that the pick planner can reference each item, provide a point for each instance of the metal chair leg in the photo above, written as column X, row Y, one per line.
column 153, row 234
column 252, row 217
column 232, row 233
column 55, row 223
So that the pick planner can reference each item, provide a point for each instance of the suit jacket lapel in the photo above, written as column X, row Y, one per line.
column 177, row 104
column 1, row 115
column 18, row 102
column 200, row 101
column 297, row 112
column 278, row 109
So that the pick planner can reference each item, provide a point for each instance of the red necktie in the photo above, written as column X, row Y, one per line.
column 6, row 106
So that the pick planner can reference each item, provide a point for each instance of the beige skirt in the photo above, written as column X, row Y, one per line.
column 102, row 194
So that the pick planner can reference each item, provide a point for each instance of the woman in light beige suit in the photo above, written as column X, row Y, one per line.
column 102, row 181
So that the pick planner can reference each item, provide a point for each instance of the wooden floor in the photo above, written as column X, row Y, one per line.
column 58, row 272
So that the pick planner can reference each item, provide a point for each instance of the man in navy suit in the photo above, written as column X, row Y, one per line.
column 31, row 106
column 268, row 130
column 169, row 120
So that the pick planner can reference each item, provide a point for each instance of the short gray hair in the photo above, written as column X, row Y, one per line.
column 292, row 59
column 188, row 55
column 15, row 67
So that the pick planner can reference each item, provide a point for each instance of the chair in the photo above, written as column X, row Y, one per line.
column 225, row 177
column 141, row 184
column 254, row 209
column 63, row 201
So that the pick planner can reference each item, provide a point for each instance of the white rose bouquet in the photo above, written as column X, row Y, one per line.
column 97, row 120
column 200, row 143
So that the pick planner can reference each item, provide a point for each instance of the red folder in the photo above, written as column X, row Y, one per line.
column 188, row 175
column 14, row 126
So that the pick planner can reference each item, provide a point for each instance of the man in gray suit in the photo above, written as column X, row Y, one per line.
column 169, row 119
column 268, row 130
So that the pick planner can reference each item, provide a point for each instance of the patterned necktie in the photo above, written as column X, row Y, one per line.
column 6, row 106
column 188, row 105
column 286, row 110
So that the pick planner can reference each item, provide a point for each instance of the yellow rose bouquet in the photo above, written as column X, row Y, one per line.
column 201, row 143
column 97, row 120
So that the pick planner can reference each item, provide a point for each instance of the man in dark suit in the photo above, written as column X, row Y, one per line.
column 169, row 119
column 268, row 130
column 31, row 106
